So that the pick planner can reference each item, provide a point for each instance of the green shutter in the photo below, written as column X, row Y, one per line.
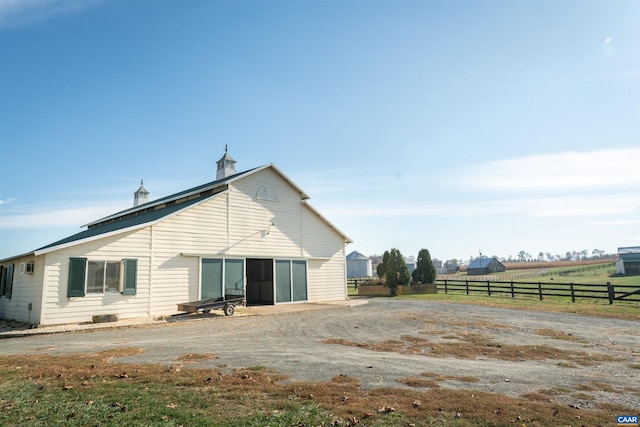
column 130, row 277
column 9, row 287
column 77, row 272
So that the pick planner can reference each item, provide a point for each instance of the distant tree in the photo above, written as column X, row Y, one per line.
column 381, row 269
column 597, row 253
column 541, row 256
column 396, row 272
column 425, row 271
column 549, row 256
column 584, row 254
column 522, row 256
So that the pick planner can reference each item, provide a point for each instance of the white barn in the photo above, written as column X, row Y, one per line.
column 252, row 232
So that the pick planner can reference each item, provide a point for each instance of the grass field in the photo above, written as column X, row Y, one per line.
column 92, row 390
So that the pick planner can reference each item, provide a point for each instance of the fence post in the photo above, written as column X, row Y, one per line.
column 573, row 294
column 445, row 287
column 540, row 290
column 513, row 294
column 466, row 282
column 489, row 288
column 611, row 292
column 355, row 284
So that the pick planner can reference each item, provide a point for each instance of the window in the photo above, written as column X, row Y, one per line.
column 99, row 277
column 103, row 277
column 218, row 272
column 30, row 268
column 291, row 280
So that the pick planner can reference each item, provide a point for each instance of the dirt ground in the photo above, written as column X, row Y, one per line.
column 576, row 360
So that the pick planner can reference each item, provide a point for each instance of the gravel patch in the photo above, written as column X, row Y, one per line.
column 292, row 343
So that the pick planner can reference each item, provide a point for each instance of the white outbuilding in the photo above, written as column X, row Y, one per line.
column 358, row 265
column 252, row 232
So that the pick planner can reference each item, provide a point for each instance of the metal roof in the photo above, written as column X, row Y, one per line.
column 480, row 263
column 172, row 197
column 630, row 257
column 356, row 255
column 128, row 223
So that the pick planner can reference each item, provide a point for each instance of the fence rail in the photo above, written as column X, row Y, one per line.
column 542, row 289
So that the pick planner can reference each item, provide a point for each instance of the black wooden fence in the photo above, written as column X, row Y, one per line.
column 542, row 289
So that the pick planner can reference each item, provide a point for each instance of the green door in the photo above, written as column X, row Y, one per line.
column 211, row 283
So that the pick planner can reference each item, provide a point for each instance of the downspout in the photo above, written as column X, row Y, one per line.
column 344, row 257
column 45, row 279
column 301, row 234
column 151, row 256
column 228, row 219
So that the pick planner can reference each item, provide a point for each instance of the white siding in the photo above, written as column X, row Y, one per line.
column 200, row 229
column 249, row 218
column 327, row 279
column 26, row 289
column 60, row 309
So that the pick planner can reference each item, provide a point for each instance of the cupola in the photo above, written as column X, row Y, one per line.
column 226, row 165
column 141, row 196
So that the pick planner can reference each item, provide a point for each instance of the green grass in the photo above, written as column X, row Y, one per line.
column 90, row 390
column 620, row 309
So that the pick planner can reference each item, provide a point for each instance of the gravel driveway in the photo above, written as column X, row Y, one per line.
column 292, row 343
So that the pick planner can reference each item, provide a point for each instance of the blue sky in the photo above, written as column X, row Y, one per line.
column 458, row 126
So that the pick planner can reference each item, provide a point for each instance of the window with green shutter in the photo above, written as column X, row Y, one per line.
column 130, row 277
column 77, row 274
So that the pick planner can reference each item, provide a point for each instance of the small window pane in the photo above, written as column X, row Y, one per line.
column 113, row 277
column 95, row 277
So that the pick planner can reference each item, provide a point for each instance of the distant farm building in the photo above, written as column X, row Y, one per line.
column 358, row 265
column 411, row 265
column 451, row 266
column 439, row 265
column 628, row 262
column 485, row 266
